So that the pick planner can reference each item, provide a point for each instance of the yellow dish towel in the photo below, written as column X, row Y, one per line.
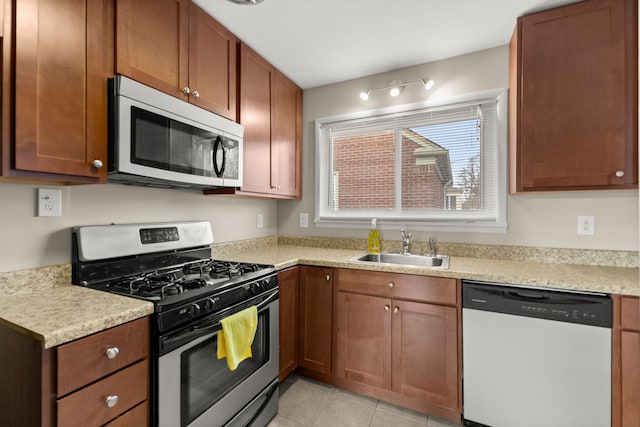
column 236, row 336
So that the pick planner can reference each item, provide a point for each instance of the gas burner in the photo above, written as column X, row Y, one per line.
column 193, row 283
column 194, row 271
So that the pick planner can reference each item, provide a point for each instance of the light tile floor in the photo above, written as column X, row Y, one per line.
column 307, row 403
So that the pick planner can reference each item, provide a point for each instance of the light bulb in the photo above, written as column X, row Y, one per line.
column 428, row 83
column 364, row 95
column 395, row 87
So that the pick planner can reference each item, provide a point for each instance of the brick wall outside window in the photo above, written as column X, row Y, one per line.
column 365, row 165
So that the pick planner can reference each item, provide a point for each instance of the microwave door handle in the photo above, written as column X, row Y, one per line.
column 218, row 146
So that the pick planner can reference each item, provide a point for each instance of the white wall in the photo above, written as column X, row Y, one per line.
column 545, row 219
column 28, row 241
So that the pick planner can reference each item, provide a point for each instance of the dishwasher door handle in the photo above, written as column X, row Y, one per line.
column 526, row 296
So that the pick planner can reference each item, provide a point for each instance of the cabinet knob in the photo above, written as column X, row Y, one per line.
column 396, row 309
column 112, row 352
column 196, row 94
column 391, row 285
column 186, row 90
column 387, row 308
column 111, row 401
column 619, row 174
column 275, row 187
column 328, row 277
column 97, row 164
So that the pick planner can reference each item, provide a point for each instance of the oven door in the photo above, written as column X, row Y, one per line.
column 197, row 389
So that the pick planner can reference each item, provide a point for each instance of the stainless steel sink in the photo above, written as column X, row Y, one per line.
column 437, row 262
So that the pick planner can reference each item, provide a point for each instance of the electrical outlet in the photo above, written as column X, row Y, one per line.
column 304, row 220
column 49, row 202
column 260, row 221
column 586, row 225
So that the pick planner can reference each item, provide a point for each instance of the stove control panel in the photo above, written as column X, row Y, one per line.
column 215, row 301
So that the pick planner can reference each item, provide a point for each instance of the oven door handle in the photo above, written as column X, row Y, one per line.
column 206, row 327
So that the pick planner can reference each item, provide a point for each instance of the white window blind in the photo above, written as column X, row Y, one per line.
column 439, row 166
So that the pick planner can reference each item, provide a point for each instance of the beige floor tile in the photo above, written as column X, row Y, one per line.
column 386, row 419
column 402, row 412
column 355, row 397
column 341, row 412
column 303, row 400
column 280, row 421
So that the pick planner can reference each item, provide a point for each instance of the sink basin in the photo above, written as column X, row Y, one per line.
column 438, row 261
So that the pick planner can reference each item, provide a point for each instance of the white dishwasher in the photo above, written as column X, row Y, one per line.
column 535, row 357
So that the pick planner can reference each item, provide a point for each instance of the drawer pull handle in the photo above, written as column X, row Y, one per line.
column 111, row 401
column 328, row 277
column 386, row 307
column 391, row 284
column 112, row 352
column 396, row 309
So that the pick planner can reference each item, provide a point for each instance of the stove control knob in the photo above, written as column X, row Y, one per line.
column 208, row 304
column 193, row 310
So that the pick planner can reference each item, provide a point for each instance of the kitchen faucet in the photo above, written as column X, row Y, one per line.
column 432, row 247
column 406, row 239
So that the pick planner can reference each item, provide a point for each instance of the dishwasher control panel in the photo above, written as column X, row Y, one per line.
column 563, row 306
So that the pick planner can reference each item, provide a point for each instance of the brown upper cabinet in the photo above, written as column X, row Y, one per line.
column 57, row 55
column 573, row 98
column 176, row 47
column 271, row 112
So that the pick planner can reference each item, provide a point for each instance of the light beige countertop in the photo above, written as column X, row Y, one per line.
column 618, row 280
column 42, row 302
column 60, row 314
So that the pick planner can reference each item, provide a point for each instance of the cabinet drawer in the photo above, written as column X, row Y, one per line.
column 630, row 313
column 138, row 417
column 405, row 286
column 85, row 360
column 88, row 406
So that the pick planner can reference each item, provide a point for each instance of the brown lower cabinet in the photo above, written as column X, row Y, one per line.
column 288, row 284
column 394, row 337
column 626, row 362
column 81, row 383
column 315, row 321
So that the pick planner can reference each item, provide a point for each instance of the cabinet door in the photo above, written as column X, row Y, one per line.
column 152, row 43
column 425, row 352
column 256, row 81
column 288, row 283
column 212, row 64
column 286, row 138
column 363, row 343
column 577, row 107
column 62, row 59
column 316, row 311
column 630, row 378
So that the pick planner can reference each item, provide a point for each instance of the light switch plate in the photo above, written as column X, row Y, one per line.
column 49, row 202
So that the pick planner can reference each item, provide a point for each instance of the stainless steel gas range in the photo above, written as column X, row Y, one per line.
column 170, row 264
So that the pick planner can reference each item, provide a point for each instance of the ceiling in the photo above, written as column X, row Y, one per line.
column 317, row 42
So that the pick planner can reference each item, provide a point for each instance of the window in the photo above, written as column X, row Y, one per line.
column 429, row 166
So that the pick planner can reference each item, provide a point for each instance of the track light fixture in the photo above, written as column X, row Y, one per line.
column 396, row 87
column 247, row 2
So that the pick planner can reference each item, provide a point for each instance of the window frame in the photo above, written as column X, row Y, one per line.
column 493, row 225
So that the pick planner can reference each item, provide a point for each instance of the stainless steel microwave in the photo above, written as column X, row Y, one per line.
column 160, row 141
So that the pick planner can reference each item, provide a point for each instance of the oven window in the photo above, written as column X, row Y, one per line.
column 168, row 144
column 205, row 379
